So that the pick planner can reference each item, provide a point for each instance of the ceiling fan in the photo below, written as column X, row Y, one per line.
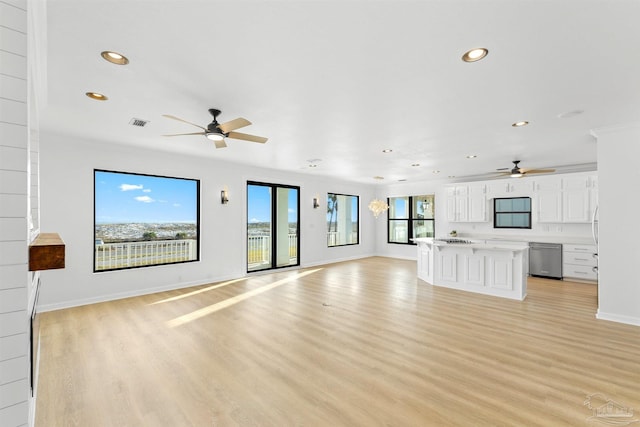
column 217, row 132
column 518, row 172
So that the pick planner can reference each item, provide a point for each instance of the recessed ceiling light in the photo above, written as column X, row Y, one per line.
column 97, row 96
column 114, row 57
column 474, row 55
column 520, row 124
column 415, row 165
column 313, row 165
column 387, row 150
column 472, row 156
column 378, row 177
column 451, row 176
column 402, row 180
column 436, row 171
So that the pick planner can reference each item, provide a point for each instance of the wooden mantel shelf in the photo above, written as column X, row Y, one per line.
column 46, row 252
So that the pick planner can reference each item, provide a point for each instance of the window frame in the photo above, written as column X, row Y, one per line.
column 145, row 176
column 411, row 218
column 496, row 213
column 357, row 242
column 273, row 224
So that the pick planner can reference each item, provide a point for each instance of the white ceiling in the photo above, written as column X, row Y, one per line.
column 342, row 80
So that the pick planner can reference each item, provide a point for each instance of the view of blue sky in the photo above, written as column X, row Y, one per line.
column 354, row 207
column 129, row 198
column 259, row 204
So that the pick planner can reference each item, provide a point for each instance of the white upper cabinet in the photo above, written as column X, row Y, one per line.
column 569, row 200
column 579, row 198
column 457, row 199
column 514, row 187
column 477, row 203
column 548, row 200
column 467, row 203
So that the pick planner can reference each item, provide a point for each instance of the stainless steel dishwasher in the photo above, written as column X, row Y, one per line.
column 545, row 260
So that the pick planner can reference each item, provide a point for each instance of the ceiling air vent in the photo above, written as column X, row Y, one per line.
column 138, row 122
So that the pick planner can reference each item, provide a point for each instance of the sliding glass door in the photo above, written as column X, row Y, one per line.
column 273, row 225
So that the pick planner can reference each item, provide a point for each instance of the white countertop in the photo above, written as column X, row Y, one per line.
column 567, row 240
column 475, row 245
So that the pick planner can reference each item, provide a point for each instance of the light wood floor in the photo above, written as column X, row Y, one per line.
column 361, row 343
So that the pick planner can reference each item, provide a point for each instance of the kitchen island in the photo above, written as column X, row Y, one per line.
column 475, row 266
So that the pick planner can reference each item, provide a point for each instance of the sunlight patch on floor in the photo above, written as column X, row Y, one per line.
column 199, row 291
column 178, row 321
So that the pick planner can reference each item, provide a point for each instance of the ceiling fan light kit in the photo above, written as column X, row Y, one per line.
column 518, row 172
column 215, row 136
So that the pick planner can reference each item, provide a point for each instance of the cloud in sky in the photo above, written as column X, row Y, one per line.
column 144, row 199
column 130, row 187
column 254, row 220
column 176, row 205
column 146, row 190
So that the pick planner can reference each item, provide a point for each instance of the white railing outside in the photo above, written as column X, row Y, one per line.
column 110, row 256
column 259, row 249
column 133, row 254
column 293, row 246
column 333, row 238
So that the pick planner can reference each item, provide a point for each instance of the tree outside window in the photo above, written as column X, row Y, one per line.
column 342, row 219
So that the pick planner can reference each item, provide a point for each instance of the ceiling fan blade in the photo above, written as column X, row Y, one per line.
column 220, row 144
column 180, row 134
column 169, row 116
column 538, row 171
column 233, row 124
column 247, row 137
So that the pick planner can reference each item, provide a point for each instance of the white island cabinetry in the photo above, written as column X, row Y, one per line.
column 486, row 268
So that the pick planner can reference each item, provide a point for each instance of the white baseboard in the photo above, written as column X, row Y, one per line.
column 135, row 293
column 333, row 261
column 629, row 320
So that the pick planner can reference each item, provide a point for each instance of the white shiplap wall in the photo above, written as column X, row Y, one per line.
column 15, row 280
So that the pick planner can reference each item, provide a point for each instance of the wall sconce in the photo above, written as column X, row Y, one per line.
column 316, row 202
column 224, row 196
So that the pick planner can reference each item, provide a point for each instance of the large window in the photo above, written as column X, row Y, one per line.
column 144, row 220
column 342, row 219
column 513, row 212
column 273, row 226
column 410, row 217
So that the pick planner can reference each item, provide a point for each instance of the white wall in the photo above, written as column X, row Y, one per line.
column 619, row 251
column 15, row 281
column 67, row 166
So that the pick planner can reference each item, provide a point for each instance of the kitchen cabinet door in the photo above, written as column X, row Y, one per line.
column 579, row 198
column 477, row 203
column 457, row 203
column 467, row 203
column 576, row 206
column 549, row 206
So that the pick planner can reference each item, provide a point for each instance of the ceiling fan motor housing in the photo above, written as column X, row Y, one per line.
column 213, row 127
